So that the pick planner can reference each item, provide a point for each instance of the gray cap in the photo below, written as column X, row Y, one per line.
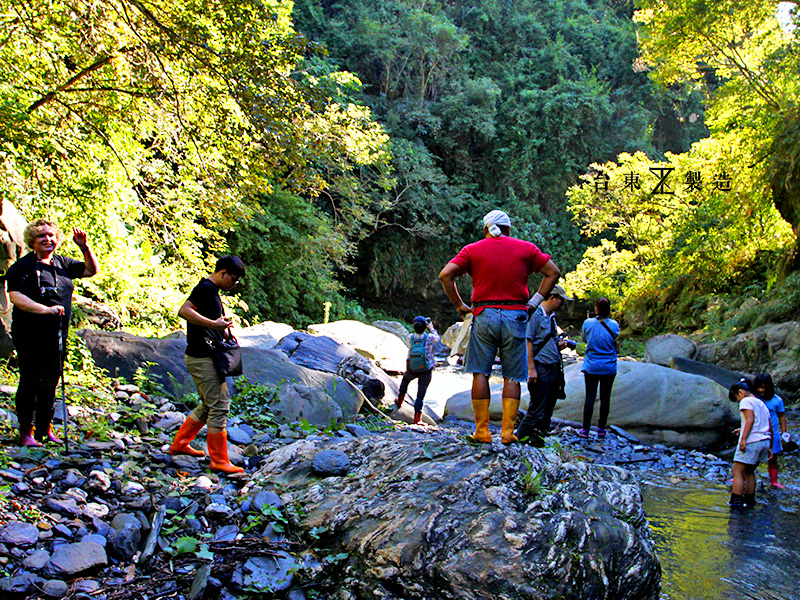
column 559, row 291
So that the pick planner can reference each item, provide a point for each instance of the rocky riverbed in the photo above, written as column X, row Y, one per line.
column 375, row 509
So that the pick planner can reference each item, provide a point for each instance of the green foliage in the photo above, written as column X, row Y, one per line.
column 673, row 248
column 604, row 271
column 532, row 481
column 252, row 403
column 488, row 106
column 166, row 127
column 686, row 259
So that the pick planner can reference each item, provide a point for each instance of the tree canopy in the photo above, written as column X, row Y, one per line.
column 167, row 128
column 709, row 239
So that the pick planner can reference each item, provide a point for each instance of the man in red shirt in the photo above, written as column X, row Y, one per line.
column 499, row 266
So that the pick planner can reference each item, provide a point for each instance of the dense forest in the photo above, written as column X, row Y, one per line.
column 347, row 149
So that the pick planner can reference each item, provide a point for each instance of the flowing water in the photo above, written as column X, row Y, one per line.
column 709, row 552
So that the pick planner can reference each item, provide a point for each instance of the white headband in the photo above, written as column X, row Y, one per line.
column 495, row 218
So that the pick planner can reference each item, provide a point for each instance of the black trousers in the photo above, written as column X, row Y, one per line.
column 39, row 371
column 592, row 381
column 543, row 397
column 424, row 378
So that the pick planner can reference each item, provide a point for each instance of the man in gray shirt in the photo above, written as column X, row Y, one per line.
column 544, row 368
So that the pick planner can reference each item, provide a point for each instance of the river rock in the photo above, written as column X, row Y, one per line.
column 295, row 402
column 238, row 435
column 19, row 534
column 75, row 559
column 412, row 506
column 655, row 404
column 330, row 462
column 63, row 505
column 661, row 348
column 55, row 588
column 265, row 498
column 122, row 353
column 36, row 560
column 658, row 405
column 768, row 349
column 456, row 336
column 21, row 584
column 393, row 327
column 170, row 420
column 125, row 537
column 272, row 573
column 387, row 350
column 273, row 367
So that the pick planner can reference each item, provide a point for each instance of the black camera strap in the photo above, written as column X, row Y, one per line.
column 547, row 338
column 39, row 267
column 611, row 333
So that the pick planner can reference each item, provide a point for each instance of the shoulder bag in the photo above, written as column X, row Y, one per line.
column 227, row 357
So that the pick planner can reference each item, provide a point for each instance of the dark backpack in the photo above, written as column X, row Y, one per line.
column 417, row 357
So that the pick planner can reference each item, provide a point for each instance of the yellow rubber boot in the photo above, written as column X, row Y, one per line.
column 186, row 434
column 481, row 410
column 218, row 451
column 510, row 410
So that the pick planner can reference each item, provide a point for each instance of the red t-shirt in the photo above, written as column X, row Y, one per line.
column 500, row 268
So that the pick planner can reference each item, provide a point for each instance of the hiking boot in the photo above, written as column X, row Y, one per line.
column 583, row 433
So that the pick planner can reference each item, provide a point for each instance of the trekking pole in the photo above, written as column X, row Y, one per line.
column 62, row 357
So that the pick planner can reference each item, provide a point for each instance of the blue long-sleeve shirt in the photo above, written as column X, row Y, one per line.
column 601, row 356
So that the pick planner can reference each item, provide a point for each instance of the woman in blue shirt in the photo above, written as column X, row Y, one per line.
column 600, row 364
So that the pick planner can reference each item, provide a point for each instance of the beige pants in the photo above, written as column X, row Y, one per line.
column 213, row 390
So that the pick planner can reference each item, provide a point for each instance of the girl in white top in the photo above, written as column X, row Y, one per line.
column 754, row 446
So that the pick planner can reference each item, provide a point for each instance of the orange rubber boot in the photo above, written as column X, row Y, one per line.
column 218, row 451
column 510, row 410
column 481, row 410
column 186, row 434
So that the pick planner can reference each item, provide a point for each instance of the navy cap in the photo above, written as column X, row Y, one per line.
column 420, row 321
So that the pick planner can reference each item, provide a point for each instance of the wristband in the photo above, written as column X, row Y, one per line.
column 535, row 301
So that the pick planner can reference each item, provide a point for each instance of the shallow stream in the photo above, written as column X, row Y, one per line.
column 709, row 552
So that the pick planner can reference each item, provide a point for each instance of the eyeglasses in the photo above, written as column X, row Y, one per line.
column 233, row 278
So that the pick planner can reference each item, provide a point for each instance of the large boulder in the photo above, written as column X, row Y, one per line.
column 393, row 327
column 724, row 377
column 456, row 336
column 122, row 353
column 296, row 402
column 265, row 335
column 324, row 353
column 387, row 350
column 658, row 405
column 662, row 348
column 768, row 349
column 654, row 403
column 486, row 522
